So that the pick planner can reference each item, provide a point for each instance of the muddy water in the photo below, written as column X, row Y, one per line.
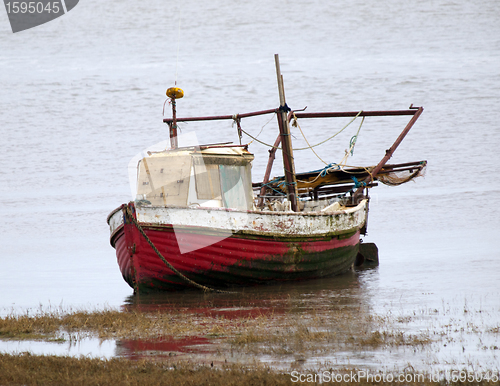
column 81, row 95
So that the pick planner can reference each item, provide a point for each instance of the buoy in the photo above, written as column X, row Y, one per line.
column 175, row 93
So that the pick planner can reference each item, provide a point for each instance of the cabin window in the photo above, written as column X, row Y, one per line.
column 224, row 178
column 234, row 186
column 207, row 181
column 162, row 188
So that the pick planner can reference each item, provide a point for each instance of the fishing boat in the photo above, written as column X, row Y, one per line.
column 199, row 221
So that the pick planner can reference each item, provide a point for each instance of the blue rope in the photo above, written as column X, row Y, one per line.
column 270, row 187
column 323, row 172
column 357, row 184
column 286, row 183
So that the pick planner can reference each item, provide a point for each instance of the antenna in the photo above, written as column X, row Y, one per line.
column 178, row 45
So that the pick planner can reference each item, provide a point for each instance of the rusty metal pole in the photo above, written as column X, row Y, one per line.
column 389, row 152
column 173, row 126
column 220, row 117
column 288, row 163
column 269, row 167
column 174, row 93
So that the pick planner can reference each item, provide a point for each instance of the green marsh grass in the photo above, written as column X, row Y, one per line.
column 26, row 369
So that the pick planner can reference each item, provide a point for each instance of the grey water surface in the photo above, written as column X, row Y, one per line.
column 82, row 94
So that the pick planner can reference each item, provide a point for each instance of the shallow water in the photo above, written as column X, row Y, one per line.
column 81, row 95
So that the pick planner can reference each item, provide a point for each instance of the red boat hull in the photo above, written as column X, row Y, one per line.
column 233, row 261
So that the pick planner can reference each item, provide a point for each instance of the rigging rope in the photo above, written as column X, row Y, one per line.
column 334, row 135
column 302, row 148
column 237, row 120
column 352, row 143
column 296, row 123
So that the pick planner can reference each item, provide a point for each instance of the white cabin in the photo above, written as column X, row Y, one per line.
column 207, row 176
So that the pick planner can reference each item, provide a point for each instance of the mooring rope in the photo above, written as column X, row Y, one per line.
column 128, row 213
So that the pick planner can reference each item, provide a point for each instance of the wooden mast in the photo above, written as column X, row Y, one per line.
column 288, row 162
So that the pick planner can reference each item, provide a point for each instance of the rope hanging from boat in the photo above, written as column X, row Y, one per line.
column 128, row 214
column 333, row 166
column 237, row 119
column 296, row 124
column 301, row 148
column 352, row 143
column 333, row 136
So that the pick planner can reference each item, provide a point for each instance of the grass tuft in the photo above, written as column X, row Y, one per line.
column 26, row 369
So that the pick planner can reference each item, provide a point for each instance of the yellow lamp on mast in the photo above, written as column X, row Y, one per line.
column 175, row 93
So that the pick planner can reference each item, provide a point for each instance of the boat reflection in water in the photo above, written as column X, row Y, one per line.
column 164, row 347
column 270, row 310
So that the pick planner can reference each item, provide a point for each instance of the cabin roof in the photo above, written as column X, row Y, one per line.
column 216, row 150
